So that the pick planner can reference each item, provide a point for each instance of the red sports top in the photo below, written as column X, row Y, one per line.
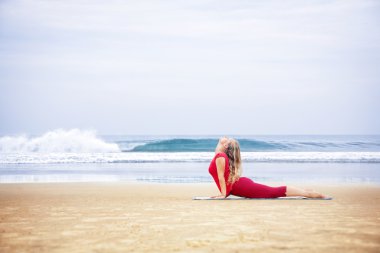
column 214, row 172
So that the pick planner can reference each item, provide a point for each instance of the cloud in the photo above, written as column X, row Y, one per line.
column 187, row 53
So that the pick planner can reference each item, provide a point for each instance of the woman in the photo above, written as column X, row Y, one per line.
column 225, row 168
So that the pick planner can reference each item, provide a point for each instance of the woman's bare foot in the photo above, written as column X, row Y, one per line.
column 309, row 193
column 314, row 194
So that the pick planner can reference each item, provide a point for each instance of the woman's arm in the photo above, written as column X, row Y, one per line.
column 220, row 165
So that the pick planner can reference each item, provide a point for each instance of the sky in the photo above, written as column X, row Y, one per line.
column 190, row 67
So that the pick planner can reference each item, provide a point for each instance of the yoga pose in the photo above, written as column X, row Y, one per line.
column 225, row 168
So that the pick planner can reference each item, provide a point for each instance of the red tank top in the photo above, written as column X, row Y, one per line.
column 214, row 172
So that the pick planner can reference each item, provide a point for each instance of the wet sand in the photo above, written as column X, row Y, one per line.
column 149, row 217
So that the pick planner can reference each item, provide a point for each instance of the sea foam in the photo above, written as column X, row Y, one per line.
column 157, row 157
column 57, row 141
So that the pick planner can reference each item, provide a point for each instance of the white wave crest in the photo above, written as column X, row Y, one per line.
column 60, row 140
column 154, row 157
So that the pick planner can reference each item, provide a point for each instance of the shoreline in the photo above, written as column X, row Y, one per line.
column 194, row 184
column 291, row 173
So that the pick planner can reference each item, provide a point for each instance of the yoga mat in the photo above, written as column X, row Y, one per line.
column 280, row 198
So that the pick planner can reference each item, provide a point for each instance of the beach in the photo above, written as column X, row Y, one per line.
column 116, row 114
column 162, row 217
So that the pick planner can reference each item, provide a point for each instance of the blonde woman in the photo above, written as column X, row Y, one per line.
column 225, row 168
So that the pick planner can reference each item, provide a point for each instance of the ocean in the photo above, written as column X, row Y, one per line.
column 83, row 156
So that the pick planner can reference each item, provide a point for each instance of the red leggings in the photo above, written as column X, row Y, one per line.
column 245, row 187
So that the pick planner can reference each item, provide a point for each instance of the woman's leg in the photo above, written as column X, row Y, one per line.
column 245, row 187
column 294, row 191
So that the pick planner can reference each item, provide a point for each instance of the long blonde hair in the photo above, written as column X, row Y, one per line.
column 234, row 159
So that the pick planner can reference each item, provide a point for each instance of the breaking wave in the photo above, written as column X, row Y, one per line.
column 57, row 141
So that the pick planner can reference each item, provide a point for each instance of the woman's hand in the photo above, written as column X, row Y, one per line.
column 219, row 197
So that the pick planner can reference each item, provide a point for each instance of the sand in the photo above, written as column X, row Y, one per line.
column 132, row 217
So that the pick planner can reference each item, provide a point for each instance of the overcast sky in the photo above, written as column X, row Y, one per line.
column 190, row 67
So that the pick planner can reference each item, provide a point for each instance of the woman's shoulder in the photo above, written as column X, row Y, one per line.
column 221, row 154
